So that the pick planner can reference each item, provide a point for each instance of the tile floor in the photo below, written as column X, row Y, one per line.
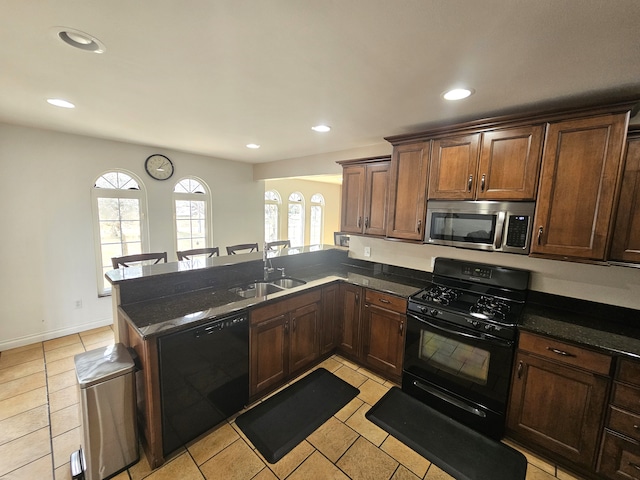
column 39, row 428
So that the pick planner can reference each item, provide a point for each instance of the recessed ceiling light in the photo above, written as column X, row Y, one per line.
column 321, row 128
column 58, row 102
column 253, row 145
column 457, row 93
column 80, row 40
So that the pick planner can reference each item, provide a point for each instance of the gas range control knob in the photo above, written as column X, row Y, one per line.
column 434, row 312
column 488, row 326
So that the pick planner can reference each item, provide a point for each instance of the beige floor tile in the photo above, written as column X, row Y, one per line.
column 406, row 456
column 24, row 450
column 22, row 385
column 333, row 438
column 23, row 402
column 101, row 344
column 182, row 467
column 364, row 427
column 372, row 391
column 236, row 462
column 212, row 443
column 317, row 467
column 40, row 469
column 292, row 460
column 330, row 364
column 371, row 375
column 63, row 472
column 94, row 331
column 64, row 445
column 10, row 358
column 403, row 473
column 564, row 475
column 534, row 459
column 435, row 473
column 97, row 337
column 61, row 342
column 265, row 474
column 241, row 433
column 535, row 473
column 348, row 363
column 65, row 420
column 350, row 376
column 63, row 398
column 24, row 423
column 60, row 366
column 63, row 352
column 141, row 469
column 31, row 346
column 364, row 461
column 62, row 380
column 349, row 409
column 21, row 370
column 121, row 476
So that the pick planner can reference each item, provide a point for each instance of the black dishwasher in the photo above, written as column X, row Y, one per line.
column 204, row 377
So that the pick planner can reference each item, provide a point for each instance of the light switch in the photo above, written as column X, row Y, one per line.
column 367, row 251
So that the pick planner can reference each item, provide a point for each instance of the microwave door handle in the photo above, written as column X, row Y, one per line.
column 499, row 230
column 484, row 337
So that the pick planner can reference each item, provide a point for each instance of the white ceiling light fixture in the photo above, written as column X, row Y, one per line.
column 59, row 102
column 253, row 145
column 321, row 128
column 79, row 40
column 458, row 93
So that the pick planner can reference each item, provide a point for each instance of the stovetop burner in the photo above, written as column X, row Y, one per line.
column 439, row 294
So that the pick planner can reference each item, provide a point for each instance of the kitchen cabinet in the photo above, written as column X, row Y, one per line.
column 330, row 327
column 283, row 339
column 407, row 191
column 579, row 180
column 350, row 320
column 364, row 196
column 559, row 392
column 453, row 167
column 383, row 332
column 620, row 449
column 626, row 235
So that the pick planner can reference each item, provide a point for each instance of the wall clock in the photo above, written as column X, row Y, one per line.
column 159, row 167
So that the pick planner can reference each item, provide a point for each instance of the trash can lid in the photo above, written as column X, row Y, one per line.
column 102, row 364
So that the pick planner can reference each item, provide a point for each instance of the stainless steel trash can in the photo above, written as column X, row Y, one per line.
column 106, row 381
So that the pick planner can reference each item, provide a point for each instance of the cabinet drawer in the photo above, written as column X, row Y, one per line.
column 619, row 458
column 260, row 314
column 629, row 372
column 565, row 353
column 385, row 300
column 624, row 422
column 626, row 396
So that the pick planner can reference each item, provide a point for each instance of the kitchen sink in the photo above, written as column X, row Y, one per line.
column 287, row 282
column 261, row 288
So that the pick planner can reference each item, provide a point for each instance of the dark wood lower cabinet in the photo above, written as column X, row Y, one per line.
column 350, row 319
column 330, row 325
column 619, row 457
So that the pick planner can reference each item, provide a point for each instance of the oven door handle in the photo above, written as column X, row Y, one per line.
column 483, row 337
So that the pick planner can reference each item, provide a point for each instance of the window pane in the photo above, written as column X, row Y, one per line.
column 108, row 209
column 129, row 208
column 191, row 215
column 131, row 231
column 198, row 210
column 183, row 228
column 296, row 225
column 315, row 225
column 270, row 222
column 110, row 232
column 131, row 248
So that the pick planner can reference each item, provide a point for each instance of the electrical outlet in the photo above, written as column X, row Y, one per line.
column 367, row 251
column 78, row 303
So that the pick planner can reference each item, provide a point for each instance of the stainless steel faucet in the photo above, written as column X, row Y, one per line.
column 268, row 267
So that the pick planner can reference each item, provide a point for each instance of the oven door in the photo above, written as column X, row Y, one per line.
column 463, row 373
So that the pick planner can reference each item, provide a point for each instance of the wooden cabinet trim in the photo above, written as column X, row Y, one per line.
column 628, row 372
column 386, row 300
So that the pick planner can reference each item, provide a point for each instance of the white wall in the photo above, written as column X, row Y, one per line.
column 48, row 260
column 332, row 195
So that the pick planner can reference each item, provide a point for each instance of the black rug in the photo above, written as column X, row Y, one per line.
column 458, row 450
column 278, row 424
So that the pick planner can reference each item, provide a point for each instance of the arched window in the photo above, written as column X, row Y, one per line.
column 316, row 220
column 272, row 202
column 191, row 208
column 119, row 210
column 295, row 219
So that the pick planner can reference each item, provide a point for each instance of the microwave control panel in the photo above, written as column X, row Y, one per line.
column 517, row 231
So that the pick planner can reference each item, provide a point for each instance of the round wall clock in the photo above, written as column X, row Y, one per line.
column 158, row 167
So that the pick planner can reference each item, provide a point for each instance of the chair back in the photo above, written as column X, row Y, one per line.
column 209, row 252
column 282, row 244
column 232, row 249
column 118, row 262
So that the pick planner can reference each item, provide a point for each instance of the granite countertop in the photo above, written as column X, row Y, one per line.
column 177, row 312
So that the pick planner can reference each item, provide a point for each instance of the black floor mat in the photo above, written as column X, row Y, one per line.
column 458, row 450
column 278, row 424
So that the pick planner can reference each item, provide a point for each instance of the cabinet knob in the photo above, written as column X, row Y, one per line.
column 359, row 222
column 520, row 368
column 401, row 328
column 286, row 327
column 482, row 182
column 540, row 236
column 419, row 226
column 470, row 183
column 366, row 222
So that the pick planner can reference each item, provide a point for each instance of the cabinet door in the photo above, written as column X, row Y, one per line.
column 509, row 164
column 269, row 361
column 303, row 336
column 453, row 166
column 580, row 173
column 376, row 198
column 383, row 339
column 330, row 328
column 407, row 191
column 350, row 297
column 353, row 185
column 619, row 457
column 626, row 235
column 556, row 407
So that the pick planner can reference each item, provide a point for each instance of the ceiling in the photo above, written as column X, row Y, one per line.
column 209, row 77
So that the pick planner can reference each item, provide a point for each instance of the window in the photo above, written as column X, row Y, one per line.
column 272, row 202
column 295, row 219
column 317, row 217
column 191, row 202
column 119, row 212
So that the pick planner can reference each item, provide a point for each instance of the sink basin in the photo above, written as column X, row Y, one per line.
column 257, row 289
column 287, row 282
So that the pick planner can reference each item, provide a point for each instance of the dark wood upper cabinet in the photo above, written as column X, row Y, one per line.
column 407, row 191
column 353, row 178
column 454, row 162
column 626, row 234
column 581, row 167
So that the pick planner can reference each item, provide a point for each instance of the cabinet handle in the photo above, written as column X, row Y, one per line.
column 470, row 182
column 540, row 236
column 286, row 327
column 419, row 226
column 634, row 465
column 357, row 298
column 560, row 352
column 384, row 300
column 401, row 328
column 294, row 324
column 520, row 367
column 366, row 222
column 637, row 427
column 482, row 182
column 359, row 222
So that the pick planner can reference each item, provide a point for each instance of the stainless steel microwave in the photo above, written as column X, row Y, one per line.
column 480, row 225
